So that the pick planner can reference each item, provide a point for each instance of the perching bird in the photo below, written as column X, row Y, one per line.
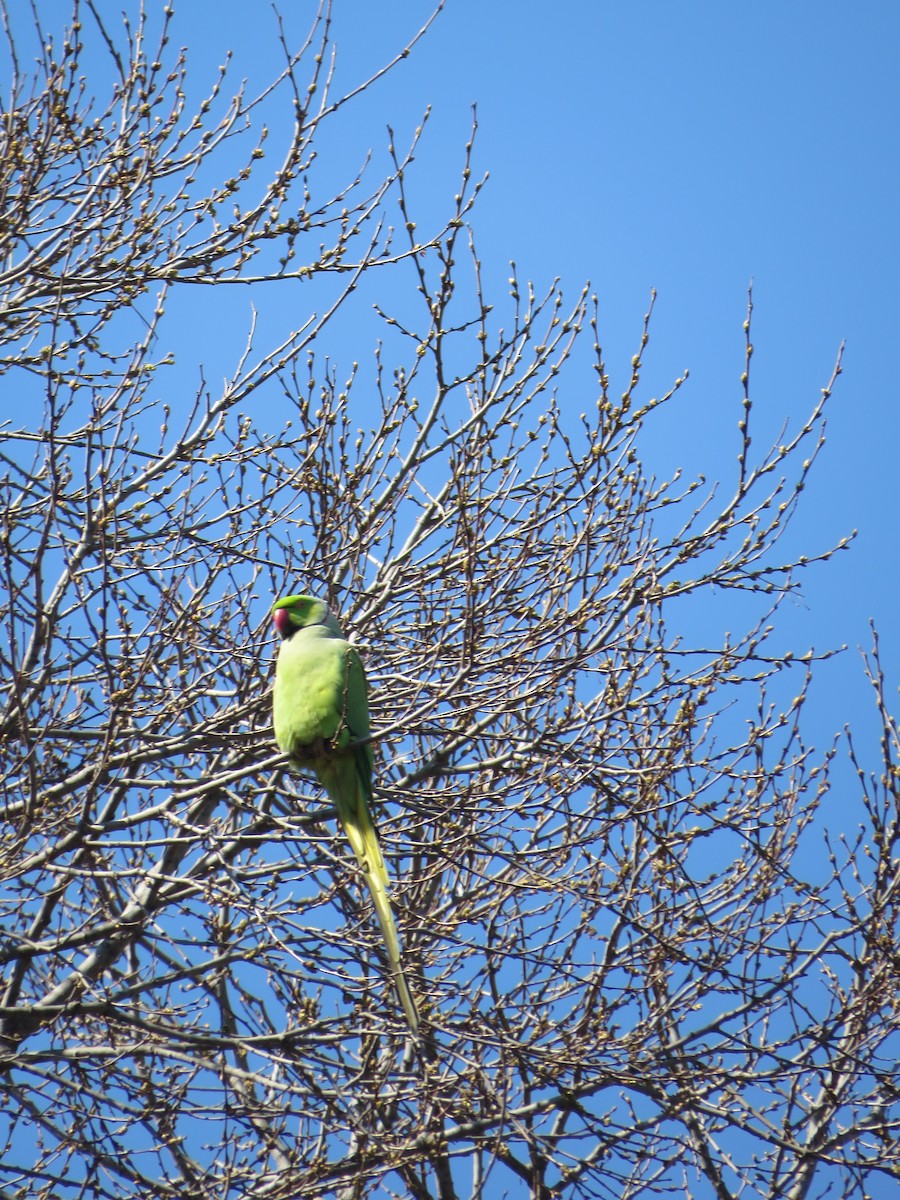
column 320, row 714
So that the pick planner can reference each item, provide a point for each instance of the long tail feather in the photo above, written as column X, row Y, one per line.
column 345, row 790
column 389, row 933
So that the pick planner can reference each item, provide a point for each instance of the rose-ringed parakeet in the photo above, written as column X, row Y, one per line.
column 320, row 714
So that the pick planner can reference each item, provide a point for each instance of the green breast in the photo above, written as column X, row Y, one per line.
column 309, row 691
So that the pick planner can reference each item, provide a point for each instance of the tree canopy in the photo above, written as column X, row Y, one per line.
column 645, row 963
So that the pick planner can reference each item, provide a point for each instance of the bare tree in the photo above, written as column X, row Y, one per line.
column 643, row 967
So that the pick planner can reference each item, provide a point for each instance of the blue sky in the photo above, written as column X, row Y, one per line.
column 687, row 148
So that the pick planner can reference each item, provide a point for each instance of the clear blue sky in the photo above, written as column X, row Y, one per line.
column 687, row 148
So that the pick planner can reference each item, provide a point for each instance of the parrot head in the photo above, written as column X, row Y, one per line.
column 297, row 612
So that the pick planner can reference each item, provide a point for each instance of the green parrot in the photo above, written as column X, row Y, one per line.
column 320, row 714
